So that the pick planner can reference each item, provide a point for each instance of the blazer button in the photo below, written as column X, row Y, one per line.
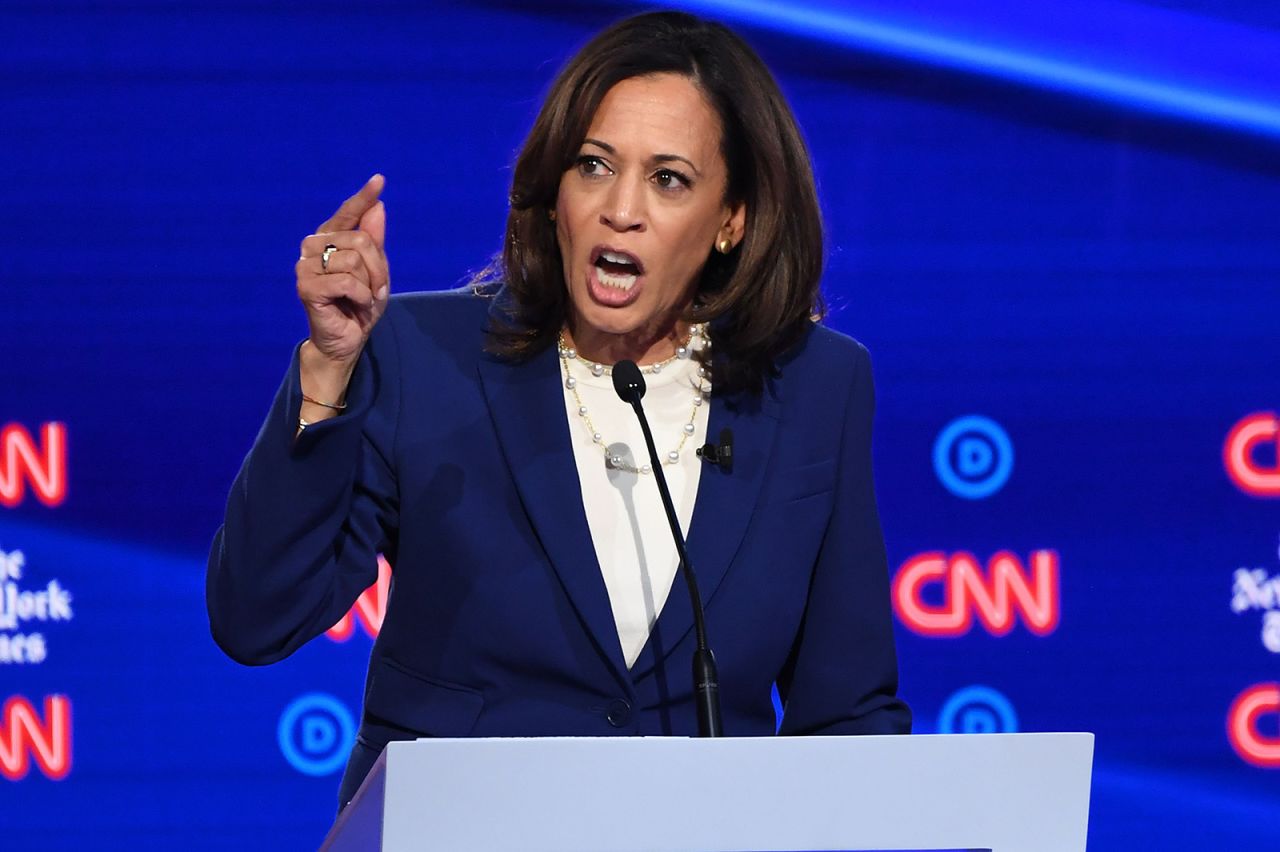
column 619, row 714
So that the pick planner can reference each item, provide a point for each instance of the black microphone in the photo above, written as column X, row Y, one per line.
column 629, row 383
column 721, row 455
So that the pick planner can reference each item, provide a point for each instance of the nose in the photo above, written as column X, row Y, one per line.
column 624, row 207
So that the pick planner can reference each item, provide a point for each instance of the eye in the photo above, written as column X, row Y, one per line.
column 592, row 166
column 671, row 180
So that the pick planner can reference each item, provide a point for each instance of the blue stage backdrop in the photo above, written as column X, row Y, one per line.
column 1054, row 225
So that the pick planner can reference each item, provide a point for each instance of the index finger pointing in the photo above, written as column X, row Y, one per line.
column 348, row 215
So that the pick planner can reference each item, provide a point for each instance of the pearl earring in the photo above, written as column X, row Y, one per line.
column 725, row 245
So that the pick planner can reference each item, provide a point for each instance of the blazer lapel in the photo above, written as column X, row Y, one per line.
column 529, row 417
column 721, row 513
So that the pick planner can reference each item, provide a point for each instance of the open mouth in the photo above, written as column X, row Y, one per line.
column 617, row 269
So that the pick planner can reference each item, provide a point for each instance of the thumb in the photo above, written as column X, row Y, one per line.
column 374, row 223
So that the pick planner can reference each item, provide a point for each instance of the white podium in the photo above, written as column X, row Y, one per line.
column 1002, row 792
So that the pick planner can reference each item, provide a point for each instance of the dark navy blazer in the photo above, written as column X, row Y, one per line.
column 458, row 466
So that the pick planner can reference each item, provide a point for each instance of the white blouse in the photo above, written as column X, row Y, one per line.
column 624, row 510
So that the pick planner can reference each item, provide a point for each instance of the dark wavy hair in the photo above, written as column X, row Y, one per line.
column 760, row 298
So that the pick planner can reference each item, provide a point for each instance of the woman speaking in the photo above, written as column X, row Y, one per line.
column 662, row 211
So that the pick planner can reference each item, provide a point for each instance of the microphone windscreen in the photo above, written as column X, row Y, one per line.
column 628, row 381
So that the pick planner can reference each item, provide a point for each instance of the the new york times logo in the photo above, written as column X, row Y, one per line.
column 1253, row 590
column 23, row 609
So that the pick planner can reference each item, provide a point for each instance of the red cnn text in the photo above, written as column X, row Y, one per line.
column 24, row 736
column 997, row 597
column 1242, row 725
column 23, row 462
column 368, row 610
column 1240, row 457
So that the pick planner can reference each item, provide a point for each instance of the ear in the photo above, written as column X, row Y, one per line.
column 735, row 224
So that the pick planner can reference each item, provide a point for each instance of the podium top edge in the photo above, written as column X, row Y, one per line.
column 1029, row 735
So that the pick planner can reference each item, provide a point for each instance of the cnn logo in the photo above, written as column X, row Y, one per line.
column 368, row 610
column 24, row 736
column 962, row 592
column 1240, row 454
column 1243, row 730
column 41, row 465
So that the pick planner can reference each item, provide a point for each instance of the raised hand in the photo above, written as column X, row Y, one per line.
column 343, row 282
column 346, row 295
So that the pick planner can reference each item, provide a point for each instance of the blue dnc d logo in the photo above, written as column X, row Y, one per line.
column 973, row 457
column 977, row 710
column 315, row 733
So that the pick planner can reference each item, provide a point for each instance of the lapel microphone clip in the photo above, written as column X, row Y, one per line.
column 721, row 455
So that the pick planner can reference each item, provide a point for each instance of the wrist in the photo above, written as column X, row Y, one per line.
column 324, row 377
column 324, row 382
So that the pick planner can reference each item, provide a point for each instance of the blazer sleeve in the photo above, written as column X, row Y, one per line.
column 842, row 674
column 306, row 518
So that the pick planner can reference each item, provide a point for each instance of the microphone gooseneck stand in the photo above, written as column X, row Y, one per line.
column 629, row 384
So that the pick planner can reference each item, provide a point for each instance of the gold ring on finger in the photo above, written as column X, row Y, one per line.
column 328, row 253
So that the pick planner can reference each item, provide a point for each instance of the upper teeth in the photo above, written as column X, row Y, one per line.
column 616, row 258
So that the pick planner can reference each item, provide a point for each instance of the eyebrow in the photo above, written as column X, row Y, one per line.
column 657, row 158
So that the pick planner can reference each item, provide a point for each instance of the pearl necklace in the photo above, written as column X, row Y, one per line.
column 684, row 352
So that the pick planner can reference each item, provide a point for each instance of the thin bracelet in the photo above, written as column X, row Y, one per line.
column 324, row 404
